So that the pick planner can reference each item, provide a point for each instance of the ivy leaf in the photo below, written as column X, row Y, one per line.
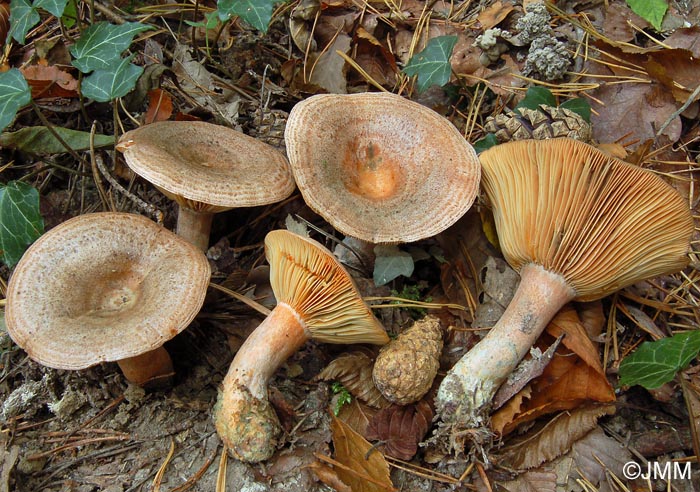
column 656, row 363
column 112, row 82
column 54, row 7
column 391, row 262
column 39, row 140
column 536, row 96
column 23, row 16
column 14, row 93
column 20, row 221
column 580, row 106
column 652, row 11
column 432, row 65
column 257, row 13
column 485, row 143
column 102, row 44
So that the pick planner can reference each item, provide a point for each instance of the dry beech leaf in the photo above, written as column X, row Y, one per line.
column 592, row 317
column 328, row 476
column 160, row 106
column 532, row 481
column 401, row 428
column 357, row 415
column 494, row 14
column 354, row 371
column 686, row 38
column 362, row 470
column 573, row 378
column 554, row 439
column 49, row 81
column 594, row 455
column 511, row 409
column 4, row 22
column 676, row 69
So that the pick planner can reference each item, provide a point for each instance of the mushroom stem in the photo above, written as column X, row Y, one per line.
column 243, row 416
column 468, row 388
column 194, row 226
column 150, row 370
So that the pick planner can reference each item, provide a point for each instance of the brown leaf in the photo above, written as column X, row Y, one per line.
column 678, row 70
column 573, row 377
column 686, row 38
column 160, row 106
column 492, row 15
column 554, row 439
column 510, row 410
column 329, row 476
column 362, row 470
column 401, row 428
column 49, row 81
column 4, row 22
column 354, row 371
column 592, row 317
column 357, row 415
column 532, row 481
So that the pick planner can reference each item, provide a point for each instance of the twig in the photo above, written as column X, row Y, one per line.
column 677, row 112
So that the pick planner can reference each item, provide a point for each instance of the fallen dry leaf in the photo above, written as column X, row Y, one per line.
column 357, row 415
column 532, row 481
column 678, row 70
column 4, row 22
column 49, row 81
column 492, row 15
column 362, row 470
column 160, row 106
column 354, row 371
column 554, row 439
column 401, row 428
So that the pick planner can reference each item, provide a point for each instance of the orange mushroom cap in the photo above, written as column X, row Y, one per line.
column 207, row 167
column 599, row 222
column 103, row 287
column 307, row 277
column 379, row 167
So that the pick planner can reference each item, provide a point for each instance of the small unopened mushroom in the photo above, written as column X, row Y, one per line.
column 106, row 287
column 406, row 367
column 379, row 167
column 316, row 298
column 206, row 169
column 577, row 224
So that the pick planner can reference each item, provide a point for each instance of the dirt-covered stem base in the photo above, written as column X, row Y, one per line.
column 465, row 394
column 243, row 416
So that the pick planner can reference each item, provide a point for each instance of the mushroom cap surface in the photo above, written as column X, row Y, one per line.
column 207, row 167
column 103, row 287
column 379, row 167
column 598, row 221
column 307, row 277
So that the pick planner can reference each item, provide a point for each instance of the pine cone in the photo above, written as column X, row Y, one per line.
column 405, row 367
column 546, row 122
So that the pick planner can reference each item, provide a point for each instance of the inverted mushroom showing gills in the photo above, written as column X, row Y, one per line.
column 206, row 169
column 379, row 167
column 316, row 298
column 106, row 287
column 577, row 224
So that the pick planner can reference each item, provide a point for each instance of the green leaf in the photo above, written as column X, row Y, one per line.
column 39, row 140
column 23, row 16
column 101, row 44
column 14, row 93
column 112, row 82
column 580, row 106
column 656, row 363
column 391, row 262
column 54, row 7
column 70, row 14
column 652, row 11
column 20, row 221
column 485, row 143
column 432, row 65
column 535, row 96
column 257, row 13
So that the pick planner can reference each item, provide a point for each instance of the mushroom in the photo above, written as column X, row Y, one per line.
column 206, row 169
column 316, row 298
column 106, row 287
column 577, row 224
column 379, row 167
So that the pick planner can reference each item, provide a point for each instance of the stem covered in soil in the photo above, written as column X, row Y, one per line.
column 466, row 392
column 243, row 416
